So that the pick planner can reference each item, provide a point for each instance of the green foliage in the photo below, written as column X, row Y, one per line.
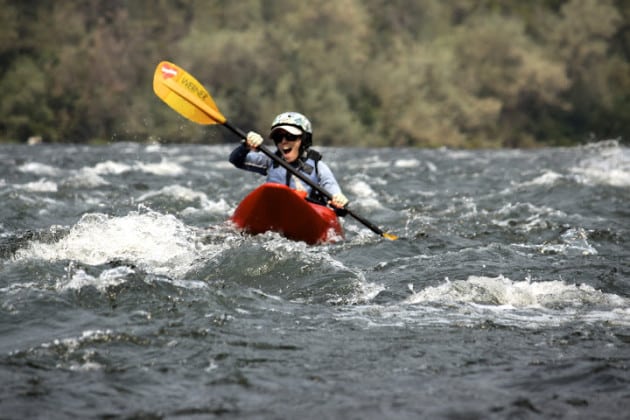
column 23, row 102
column 368, row 73
column 9, row 35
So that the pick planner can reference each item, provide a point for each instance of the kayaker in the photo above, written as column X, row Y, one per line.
column 293, row 136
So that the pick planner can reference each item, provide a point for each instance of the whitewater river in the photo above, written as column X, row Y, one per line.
column 125, row 293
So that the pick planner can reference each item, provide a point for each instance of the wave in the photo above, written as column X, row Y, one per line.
column 189, row 195
column 41, row 186
column 41, row 169
column 496, row 301
column 501, row 291
column 604, row 163
column 159, row 244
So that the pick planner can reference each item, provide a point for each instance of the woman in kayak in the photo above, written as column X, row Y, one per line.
column 293, row 136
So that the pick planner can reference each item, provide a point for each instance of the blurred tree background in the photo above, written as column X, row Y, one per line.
column 426, row 73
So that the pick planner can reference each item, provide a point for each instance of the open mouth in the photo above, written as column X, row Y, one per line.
column 286, row 150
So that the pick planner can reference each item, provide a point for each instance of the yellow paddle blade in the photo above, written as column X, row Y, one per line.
column 185, row 94
column 390, row 236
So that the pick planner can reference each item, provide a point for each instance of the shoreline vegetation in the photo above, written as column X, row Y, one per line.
column 376, row 73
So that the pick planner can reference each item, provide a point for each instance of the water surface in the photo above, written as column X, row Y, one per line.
column 126, row 293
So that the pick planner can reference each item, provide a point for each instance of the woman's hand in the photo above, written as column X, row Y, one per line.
column 253, row 140
column 338, row 200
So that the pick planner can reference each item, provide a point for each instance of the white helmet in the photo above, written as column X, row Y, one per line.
column 292, row 119
column 295, row 123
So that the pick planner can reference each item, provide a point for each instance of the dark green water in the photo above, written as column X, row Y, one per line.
column 125, row 294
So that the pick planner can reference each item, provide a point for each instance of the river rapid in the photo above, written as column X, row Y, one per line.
column 126, row 293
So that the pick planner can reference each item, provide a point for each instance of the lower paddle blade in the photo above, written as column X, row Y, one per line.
column 182, row 92
column 390, row 236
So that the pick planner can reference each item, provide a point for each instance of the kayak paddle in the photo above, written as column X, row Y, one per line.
column 182, row 92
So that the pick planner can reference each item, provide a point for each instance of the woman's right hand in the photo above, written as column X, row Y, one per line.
column 253, row 140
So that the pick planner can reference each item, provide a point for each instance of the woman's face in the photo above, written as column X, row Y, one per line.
column 288, row 144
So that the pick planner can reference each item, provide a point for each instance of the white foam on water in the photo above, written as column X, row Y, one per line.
column 576, row 239
column 573, row 241
column 603, row 176
column 111, row 168
column 407, row 163
column 544, row 301
column 477, row 300
column 332, row 236
column 361, row 189
column 159, row 244
column 605, row 163
column 363, row 195
column 220, row 207
column 179, row 192
column 80, row 279
column 86, row 178
column 510, row 209
column 77, row 353
column 608, row 164
column 164, row 168
column 547, row 178
column 431, row 166
column 370, row 163
column 153, row 147
column 39, row 186
column 503, row 291
column 39, row 169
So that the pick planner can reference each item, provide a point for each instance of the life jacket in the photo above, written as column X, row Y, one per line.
column 308, row 165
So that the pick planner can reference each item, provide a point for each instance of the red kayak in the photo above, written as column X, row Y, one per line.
column 278, row 208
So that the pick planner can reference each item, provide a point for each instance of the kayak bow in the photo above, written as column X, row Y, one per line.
column 278, row 208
